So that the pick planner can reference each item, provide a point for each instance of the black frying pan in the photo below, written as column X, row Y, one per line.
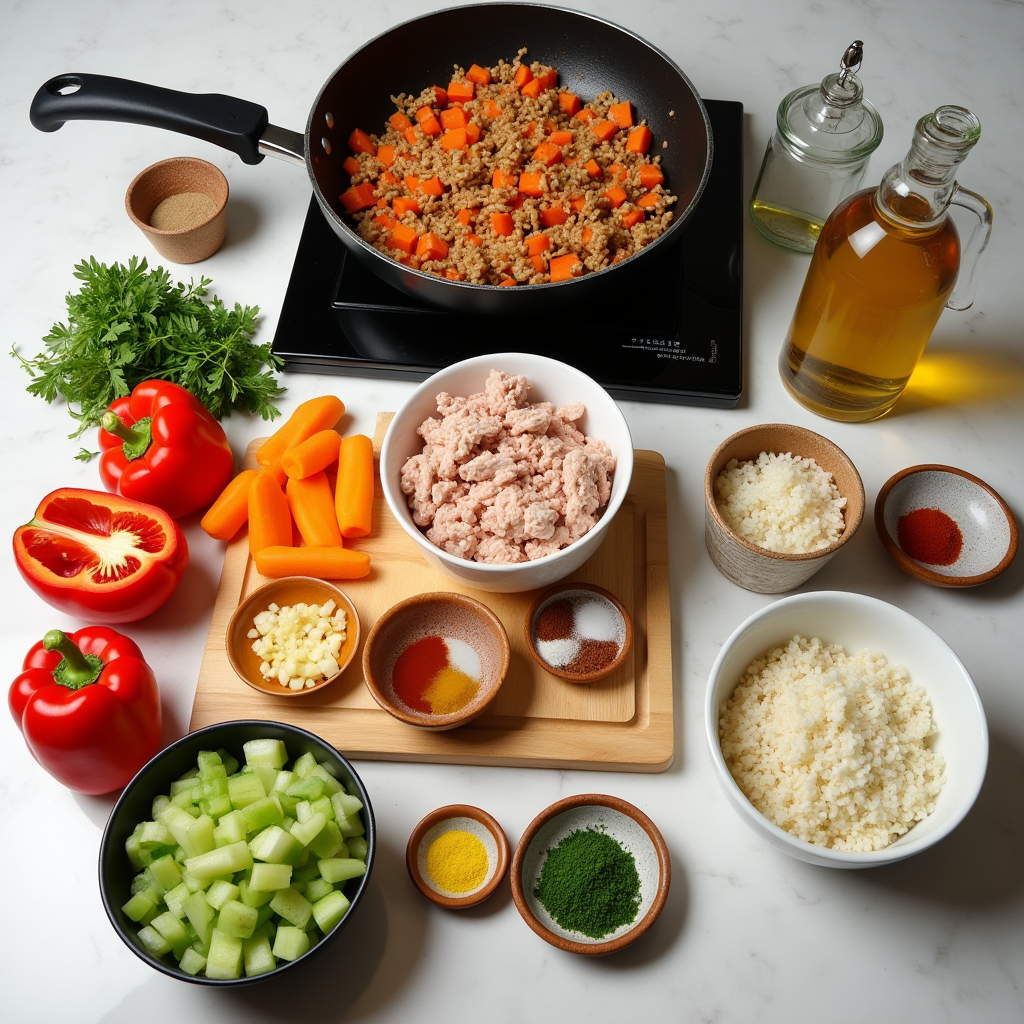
column 591, row 56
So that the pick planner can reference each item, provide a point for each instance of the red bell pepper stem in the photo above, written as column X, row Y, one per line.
column 136, row 440
column 76, row 669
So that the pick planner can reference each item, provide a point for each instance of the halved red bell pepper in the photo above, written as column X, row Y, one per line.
column 88, row 707
column 162, row 446
column 100, row 556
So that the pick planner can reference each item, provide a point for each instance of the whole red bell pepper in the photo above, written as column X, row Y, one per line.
column 88, row 707
column 162, row 446
column 100, row 556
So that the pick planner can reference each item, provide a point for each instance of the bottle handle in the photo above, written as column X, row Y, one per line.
column 962, row 296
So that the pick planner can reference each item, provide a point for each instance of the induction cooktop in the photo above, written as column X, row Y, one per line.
column 679, row 340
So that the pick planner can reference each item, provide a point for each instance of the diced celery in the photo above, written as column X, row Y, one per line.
column 138, row 907
column 175, row 899
column 190, row 774
column 317, row 889
column 352, row 826
column 303, row 810
column 200, row 915
column 225, row 957
column 329, row 910
column 193, row 935
column 292, row 906
column 265, row 751
column 255, row 897
column 155, row 943
column 221, row 892
column 340, row 869
column 218, row 806
column 184, row 801
column 194, row 884
column 306, row 831
column 261, row 813
column 229, row 760
column 171, row 929
column 264, row 918
column 202, row 948
column 332, row 784
column 133, row 849
column 328, row 842
column 237, row 919
column 224, row 860
column 208, row 762
column 230, row 829
column 288, row 804
column 269, row 878
column 267, row 774
column 200, row 835
column 155, row 833
column 273, row 845
column 304, row 765
column 308, row 788
column 159, row 803
column 181, row 786
column 192, row 962
column 299, row 856
column 290, row 943
column 165, row 873
column 256, row 954
column 284, row 780
column 346, row 806
column 178, row 822
column 245, row 789
column 178, row 855
column 307, row 874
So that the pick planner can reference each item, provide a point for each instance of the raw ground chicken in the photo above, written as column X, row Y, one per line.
column 551, row 188
column 832, row 747
column 500, row 480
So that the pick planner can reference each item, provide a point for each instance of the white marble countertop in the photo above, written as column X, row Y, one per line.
column 748, row 934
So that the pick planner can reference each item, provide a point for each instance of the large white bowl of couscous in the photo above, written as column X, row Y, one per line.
column 845, row 759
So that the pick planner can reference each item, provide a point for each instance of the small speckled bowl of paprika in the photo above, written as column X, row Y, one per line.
column 945, row 527
column 436, row 661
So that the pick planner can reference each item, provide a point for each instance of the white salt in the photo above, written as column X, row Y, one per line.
column 463, row 657
column 558, row 652
column 598, row 620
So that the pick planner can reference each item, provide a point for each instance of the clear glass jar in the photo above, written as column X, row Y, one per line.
column 817, row 156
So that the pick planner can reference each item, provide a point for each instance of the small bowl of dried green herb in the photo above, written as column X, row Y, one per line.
column 591, row 874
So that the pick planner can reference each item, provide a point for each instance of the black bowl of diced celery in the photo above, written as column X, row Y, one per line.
column 237, row 853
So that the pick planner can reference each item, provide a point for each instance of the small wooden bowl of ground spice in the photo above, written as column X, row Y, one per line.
column 457, row 856
column 180, row 205
column 436, row 660
column 591, row 874
column 945, row 527
column 578, row 632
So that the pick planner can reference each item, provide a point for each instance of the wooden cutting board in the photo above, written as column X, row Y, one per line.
column 622, row 723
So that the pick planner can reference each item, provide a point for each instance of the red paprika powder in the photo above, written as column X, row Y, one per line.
column 929, row 535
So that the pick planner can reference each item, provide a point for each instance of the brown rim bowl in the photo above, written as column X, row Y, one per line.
column 443, row 614
column 150, row 187
column 755, row 568
column 288, row 590
column 623, row 822
column 470, row 819
column 552, row 594
column 985, row 522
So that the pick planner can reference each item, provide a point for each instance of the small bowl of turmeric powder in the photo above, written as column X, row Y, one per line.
column 457, row 856
column 436, row 661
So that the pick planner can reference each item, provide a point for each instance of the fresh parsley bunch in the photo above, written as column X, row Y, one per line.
column 130, row 324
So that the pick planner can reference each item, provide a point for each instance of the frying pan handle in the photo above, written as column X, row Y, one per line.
column 225, row 121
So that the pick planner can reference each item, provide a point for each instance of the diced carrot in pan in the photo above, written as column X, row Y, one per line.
column 431, row 186
column 586, row 235
column 386, row 155
column 431, row 126
column 536, row 244
column 569, row 103
column 553, row 216
column 452, row 275
column 410, row 136
column 461, row 92
column 360, row 142
column 465, row 217
column 508, row 282
column 440, row 97
column 501, row 223
column 474, row 239
column 455, row 138
column 648, row 199
column 404, row 238
column 430, row 247
column 538, row 264
column 577, row 203
column 593, row 168
column 532, row 88
column 616, row 195
column 399, row 121
column 491, row 108
column 560, row 138
column 618, row 171
column 472, row 132
column 424, row 114
column 549, row 79
column 621, row 114
column 358, row 197
column 499, row 179
column 350, row 166
column 547, row 153
column 632, row 216
column 639, row 140
column 403, row 205
column 563, row 268
column 411, row 182
column 453, row 117
column 604, row 130
column 585, row 115
column 532, row 184
column 479, row 75
column 522, row 76
column 650, row 175
column 530, row 128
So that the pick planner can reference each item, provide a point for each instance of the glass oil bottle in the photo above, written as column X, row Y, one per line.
column 884, row 267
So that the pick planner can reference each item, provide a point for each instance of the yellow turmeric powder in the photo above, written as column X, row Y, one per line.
column 457, row 861
column 450, row 691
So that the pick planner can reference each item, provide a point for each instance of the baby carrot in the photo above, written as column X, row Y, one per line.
column 326, row 563
column 270, row 522
column 312, row 508
column 308, row 418
column 353, row 497
column 312, row 455
column 228, row 514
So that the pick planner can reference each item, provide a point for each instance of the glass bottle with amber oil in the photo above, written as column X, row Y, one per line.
column 885, row 265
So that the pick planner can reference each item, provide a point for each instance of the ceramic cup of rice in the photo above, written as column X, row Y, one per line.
column 844, row 731
column 780, row 501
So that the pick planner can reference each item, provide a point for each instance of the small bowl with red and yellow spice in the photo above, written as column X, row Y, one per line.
column 436, row 660
column 945, row 527
column 578, row 632
column 457, row 856
column 292, row 636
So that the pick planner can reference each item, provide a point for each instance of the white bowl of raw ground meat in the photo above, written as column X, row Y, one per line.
column 517, row 488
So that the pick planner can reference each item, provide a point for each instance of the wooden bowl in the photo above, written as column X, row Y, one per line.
column 578, row 593
column 743, row 562
column 625, row 823
column 465, row 818
column 196, row 239
column 288, row 590
column 445, row 615
column 985, row 523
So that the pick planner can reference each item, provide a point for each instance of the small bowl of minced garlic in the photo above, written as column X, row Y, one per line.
column 292, row 636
